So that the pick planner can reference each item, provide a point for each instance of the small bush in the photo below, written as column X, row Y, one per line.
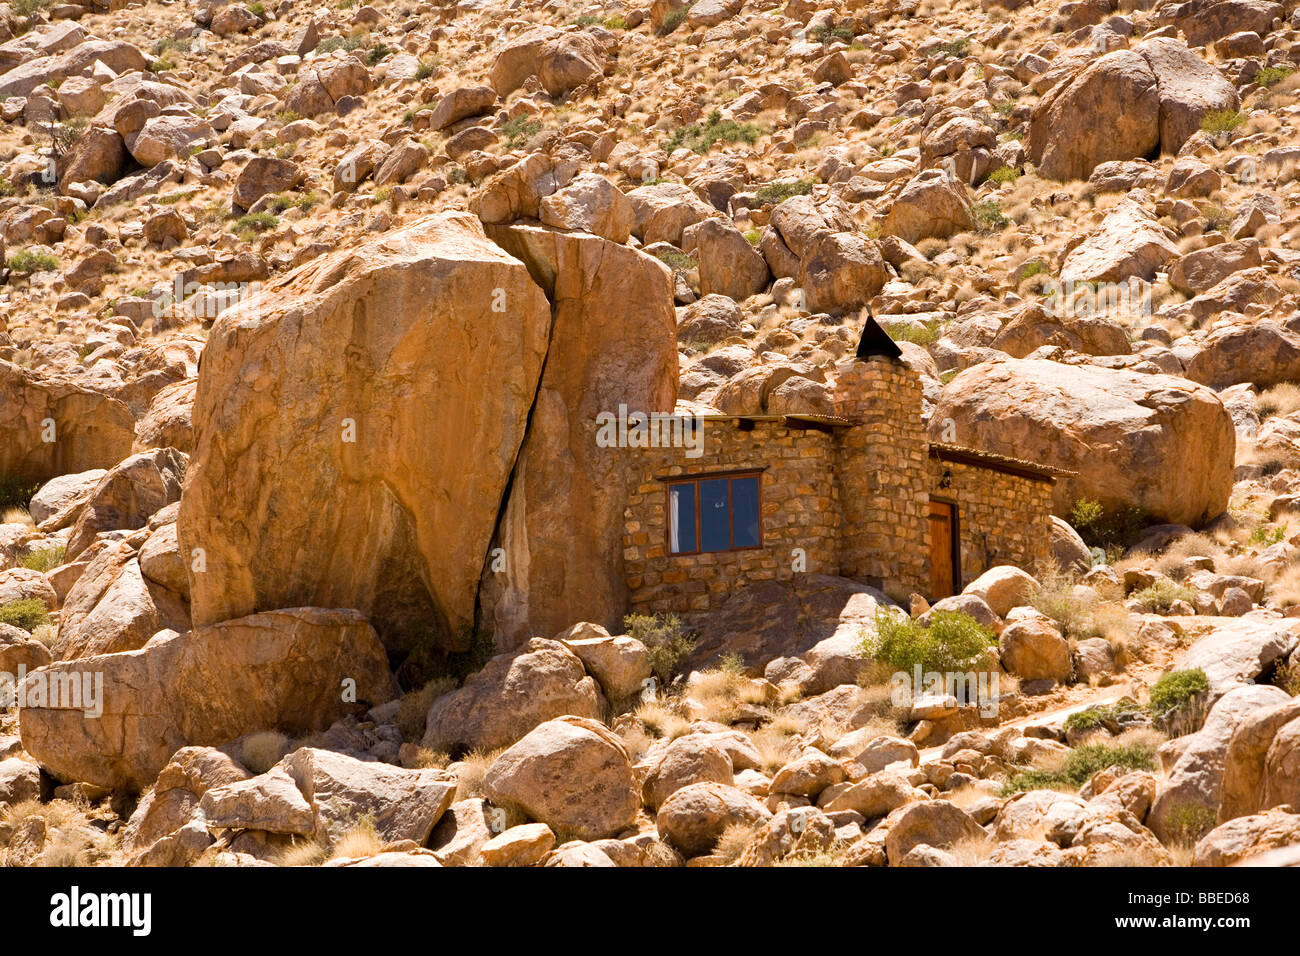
column 1272, row 74
column 1187, row 823
column 426, row 68
column 26, row 261
column 953, row 642
column 824, row 33
column 956, row 49
column 413, row 708
column 255, row 222
column 918, row 333
column 1160, row 596
column 261, row 751
column 45, row 558
column 1104, row 715
column 1100, row 528
column 665, row 639
column 1081, row 764
column 988, row 215
column 1222, row 122
column 377, row 53
column 520, row 130
column 1004, row 174
column 16, row 492
column 701, row 137
column 677, row 261
column 672, row 20
column 27, row 613
column 1173, row 690
column 780, row 192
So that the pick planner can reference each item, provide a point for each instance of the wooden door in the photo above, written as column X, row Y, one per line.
column 944, row 565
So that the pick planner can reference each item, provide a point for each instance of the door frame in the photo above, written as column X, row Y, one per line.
column 954, row 551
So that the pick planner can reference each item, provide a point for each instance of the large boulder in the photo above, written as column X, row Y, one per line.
column 1256, row 774
column 1238, row 650
column 1263, row 354
column 112, row 607
column 933, row 204
column 935, row 823
column 510, row 696
column 128, row 495
column 51, row 426
column 296, row 670
column 1131, row 243
column 1236, row 840
column 1126, row 104
column 572, row 774
column 1194, row 784
column 403, row 804
column 693, row 818
column 1154, row 442
column 767, row 620
column 613, row 343
column 367, row 408
column 517, row 59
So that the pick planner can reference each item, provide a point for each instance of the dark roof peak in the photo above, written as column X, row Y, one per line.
column 876, row 341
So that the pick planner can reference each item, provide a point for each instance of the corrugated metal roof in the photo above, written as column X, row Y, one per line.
column 1004, row 463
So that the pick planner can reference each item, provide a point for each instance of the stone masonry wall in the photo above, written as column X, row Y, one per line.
column 1003, row 519
column 883, row 479
column 799, row 509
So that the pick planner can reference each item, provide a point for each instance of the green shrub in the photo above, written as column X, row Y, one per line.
column 780, row 192
column 672, row 20
column 1272, row 74
column 954, row 641
column 1160, row 596
column 1175, row 689
column 665, row 639
column 1100, row 528
column 16, row 492
column 520, row 130
column 956, row 49
column 1222, row 122
column 988, row 215
column 26, row 261
column 255, row 222
column 675, row 260
column 1004, row 174
column 1081, row 764
column 701, row 137
column 27, row 613
column 45, row 558
column 426, row 68
column 377, row 53
column 1103, row 715
column 1267, row 536
column 1188, row 822
column 824, row 33
column 918, row 333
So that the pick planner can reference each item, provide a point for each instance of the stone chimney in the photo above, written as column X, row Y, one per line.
column 883, row 476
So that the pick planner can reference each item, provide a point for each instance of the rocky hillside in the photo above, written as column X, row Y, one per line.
column 255, row 613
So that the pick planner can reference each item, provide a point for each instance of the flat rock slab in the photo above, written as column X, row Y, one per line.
column 282, row 669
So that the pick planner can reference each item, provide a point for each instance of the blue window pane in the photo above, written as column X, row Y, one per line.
column 744, row 512
column 681, row 507
column 715, row 523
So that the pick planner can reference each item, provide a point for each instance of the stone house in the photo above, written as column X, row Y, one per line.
column 863, row 494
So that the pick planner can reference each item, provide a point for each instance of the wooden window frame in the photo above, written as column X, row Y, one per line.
column 756, row 473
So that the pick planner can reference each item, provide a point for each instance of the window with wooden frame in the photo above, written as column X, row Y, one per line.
column 718, row 512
